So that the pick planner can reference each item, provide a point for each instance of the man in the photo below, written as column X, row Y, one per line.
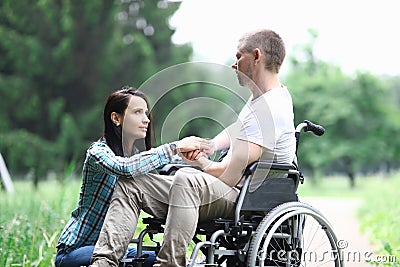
column 264, row 130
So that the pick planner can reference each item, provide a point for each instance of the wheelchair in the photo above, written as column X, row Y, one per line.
column 271, row 226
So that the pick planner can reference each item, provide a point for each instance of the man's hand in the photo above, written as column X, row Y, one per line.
column 192, row 143
column 207, row 147
column 195, row 150
column 188, row 144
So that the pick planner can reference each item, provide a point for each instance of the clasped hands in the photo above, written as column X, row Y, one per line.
column 192, row 149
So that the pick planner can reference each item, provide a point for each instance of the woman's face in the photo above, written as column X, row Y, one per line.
column 135, row 122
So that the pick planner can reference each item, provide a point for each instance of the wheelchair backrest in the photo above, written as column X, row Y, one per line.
column 266, row 186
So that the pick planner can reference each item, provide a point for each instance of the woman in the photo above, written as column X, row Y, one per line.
column 127, row 126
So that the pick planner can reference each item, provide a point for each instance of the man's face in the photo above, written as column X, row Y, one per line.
column 243, row 66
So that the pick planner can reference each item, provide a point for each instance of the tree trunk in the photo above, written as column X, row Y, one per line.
column 349, row 168
column 352, row 179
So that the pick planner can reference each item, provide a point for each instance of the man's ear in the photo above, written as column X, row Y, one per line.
column 257, row 54
column 116, row 118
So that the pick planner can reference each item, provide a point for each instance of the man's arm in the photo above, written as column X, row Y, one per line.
column 230, row 169
column 220, row 142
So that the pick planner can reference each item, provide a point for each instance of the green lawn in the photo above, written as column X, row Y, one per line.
column 31, row 221
column 380, row 215
column 338, row 186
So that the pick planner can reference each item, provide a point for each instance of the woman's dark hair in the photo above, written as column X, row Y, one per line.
column 118, row 102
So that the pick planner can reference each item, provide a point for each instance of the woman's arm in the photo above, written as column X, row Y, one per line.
column 102, row 158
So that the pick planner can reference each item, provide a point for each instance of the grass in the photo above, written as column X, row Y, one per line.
column 338, row 186
column 379, row 213
column 380, row 216
column 31, row 221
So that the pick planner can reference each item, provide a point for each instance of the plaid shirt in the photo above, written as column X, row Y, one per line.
column 101, row 170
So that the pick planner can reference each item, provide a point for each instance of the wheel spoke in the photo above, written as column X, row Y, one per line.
column 295, row 234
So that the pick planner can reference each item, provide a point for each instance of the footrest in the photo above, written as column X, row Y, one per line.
column 137, row 259
column 214, row 225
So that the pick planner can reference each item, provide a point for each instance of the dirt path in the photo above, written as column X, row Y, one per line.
column 341, row 213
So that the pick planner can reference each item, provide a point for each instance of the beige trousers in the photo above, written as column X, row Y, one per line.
column 188, row 197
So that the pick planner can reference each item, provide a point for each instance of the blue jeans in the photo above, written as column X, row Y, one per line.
column 81, row 257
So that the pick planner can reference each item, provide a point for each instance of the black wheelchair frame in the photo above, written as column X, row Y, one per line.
column 271, row 226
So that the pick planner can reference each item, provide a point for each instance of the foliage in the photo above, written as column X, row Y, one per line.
column 36, row 151
column 59, row 61
column 357, row 112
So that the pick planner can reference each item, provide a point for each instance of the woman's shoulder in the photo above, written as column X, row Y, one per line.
column 98, row 146
column 98, row 143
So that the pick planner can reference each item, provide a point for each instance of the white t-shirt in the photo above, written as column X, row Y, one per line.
column 268, row 121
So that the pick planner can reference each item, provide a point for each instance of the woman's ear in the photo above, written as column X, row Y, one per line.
column 116, row 118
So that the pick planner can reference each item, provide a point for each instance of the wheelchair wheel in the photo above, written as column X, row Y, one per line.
column 294, row 234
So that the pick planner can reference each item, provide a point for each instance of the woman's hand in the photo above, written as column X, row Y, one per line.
column 191, row 155
column 195, row 158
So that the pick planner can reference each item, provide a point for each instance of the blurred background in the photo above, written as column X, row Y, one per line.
column 60, row 59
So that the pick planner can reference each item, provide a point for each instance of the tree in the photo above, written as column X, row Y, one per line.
column 354, row 110
column 59, row 61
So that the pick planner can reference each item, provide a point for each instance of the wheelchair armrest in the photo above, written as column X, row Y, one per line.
column 154, row 220
column 250, row 169
column 170, row 169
